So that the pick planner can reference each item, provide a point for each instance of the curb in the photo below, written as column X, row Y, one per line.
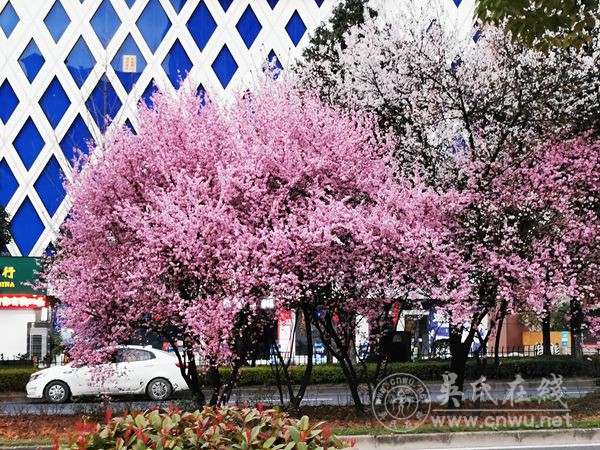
column 438, row 441
column 435, row 441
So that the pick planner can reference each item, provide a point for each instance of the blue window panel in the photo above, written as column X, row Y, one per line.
column 147, row 95
column 202, row 25
column 273, row 65
column 28, row 143
column 129, row 125
column 103, row 103
column 26, row 227
column 457, row 3
column 456, row 63
column 8, row 19
column 177, row 63
column 129, row 48
column 50, row 250
column 295, row 28
column 153, row 24
column 80, row 62
column 272, row 3
column 178, row 4
column 248, row 26
column 8, row 183
column 224, row 66
column 130, row 3
column 54, row 102
column 201, row 93
column 49, row 186
column 8, row 101
column 225, row 4
column 57, row 20
column 105, row 22
column 31, row 60
column 320, row 2
column 77, row 137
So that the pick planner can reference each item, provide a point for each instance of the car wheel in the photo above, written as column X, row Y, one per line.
column 159, row 389
column 57, row 392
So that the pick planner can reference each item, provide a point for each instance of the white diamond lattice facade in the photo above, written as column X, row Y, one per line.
column 66, row 64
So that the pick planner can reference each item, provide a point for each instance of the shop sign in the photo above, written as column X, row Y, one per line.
column 18, row 275
column 27, row 302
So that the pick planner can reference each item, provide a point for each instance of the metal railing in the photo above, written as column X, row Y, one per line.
column 25, row 360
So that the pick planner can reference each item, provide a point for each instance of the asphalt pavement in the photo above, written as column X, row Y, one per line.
column 327, row 394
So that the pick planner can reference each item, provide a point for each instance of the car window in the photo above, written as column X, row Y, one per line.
column 133, row 355
column 144, row 355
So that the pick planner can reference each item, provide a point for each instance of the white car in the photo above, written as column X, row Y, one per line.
column 136, row 370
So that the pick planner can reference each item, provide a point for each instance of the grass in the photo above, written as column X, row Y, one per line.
column 371, row 431
column 378, row 431
column 24, row 442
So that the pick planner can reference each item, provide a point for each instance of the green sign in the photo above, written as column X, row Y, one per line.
column 18, row 275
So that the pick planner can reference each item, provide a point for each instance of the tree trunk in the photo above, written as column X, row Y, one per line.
column 353, row 384
column 193, row 382
column 547, row 343
column 189, row 372
column 342, row 347
column 576, row 335
column 214, row 380
column 284, row 376
column 297, row 399
column 459, row 353
column 497, row 343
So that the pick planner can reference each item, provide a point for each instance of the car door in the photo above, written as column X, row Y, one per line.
column 131, row 371
column 82, row 380
column 140, row 370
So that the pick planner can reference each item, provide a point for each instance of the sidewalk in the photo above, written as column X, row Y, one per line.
column 588, row 439
column 580, row 438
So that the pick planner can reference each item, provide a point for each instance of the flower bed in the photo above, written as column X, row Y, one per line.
column 210, row 428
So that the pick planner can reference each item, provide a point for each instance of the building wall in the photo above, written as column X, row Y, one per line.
column 13, row 331
column 65, row 64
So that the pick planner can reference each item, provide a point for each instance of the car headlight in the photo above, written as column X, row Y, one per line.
column 35, row 376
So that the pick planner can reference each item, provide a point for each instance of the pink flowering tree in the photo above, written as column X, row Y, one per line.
column 527, row 229
column 557, row 188
column 185, row 228
column 344, row 238
column 466, row 114
column 153, row 243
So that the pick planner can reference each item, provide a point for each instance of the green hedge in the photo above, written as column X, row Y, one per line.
column 432, row 370
column 14, row 380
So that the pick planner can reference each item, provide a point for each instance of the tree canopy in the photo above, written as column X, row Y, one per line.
column 544, row 23
column 475, row 120
column 5, row 235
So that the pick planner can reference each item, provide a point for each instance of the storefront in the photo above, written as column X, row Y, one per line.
column 24, row 315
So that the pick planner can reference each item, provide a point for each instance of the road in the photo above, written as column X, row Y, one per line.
column 328, row 394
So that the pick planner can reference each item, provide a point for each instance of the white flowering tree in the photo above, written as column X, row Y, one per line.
column 470, row 113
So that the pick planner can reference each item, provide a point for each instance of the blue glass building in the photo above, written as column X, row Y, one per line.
column 68, row 65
